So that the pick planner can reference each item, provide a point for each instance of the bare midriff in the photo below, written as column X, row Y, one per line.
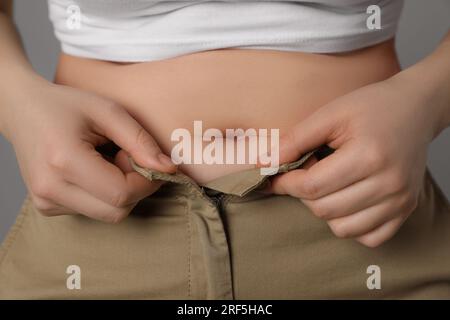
column 228, row 89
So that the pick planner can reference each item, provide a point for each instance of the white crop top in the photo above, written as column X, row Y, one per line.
column 145, row 30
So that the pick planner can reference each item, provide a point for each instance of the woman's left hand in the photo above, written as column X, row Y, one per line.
column 370, row 185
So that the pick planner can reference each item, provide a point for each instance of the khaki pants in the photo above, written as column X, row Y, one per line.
column 224, row 240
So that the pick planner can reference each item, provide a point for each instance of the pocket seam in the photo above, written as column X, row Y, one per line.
column 14, row 230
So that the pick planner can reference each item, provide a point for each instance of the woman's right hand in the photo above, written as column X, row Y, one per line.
column 54, row 130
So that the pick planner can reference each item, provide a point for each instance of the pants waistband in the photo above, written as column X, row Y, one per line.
column 238, row 183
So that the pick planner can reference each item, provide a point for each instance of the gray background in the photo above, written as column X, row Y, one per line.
column 422, row 26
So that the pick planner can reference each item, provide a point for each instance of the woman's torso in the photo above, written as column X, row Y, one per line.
column 228, row 89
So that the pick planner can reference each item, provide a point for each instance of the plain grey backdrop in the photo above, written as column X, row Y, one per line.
column 422, row 26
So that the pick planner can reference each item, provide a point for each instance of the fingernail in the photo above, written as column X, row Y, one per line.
column 165, row 160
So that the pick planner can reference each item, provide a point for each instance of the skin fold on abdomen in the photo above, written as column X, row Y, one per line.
column 228, row 89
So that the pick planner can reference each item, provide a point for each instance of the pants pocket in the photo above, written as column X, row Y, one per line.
column 143, row 257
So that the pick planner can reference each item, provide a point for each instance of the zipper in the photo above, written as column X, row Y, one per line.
column 217, row 200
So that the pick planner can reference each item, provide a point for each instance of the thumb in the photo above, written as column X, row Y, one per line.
column 311, row 133
column 119, row 126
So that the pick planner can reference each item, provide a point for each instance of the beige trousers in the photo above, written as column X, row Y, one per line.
column 223, row 240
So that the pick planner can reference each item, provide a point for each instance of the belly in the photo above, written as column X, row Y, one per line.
column 227, row 89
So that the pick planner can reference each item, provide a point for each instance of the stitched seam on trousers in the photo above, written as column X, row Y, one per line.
column 189, row 251
column 189, row 227
column 225, row 200
column 14, row 231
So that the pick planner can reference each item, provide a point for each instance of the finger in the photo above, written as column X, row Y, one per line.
column 122, row 162
column 382, row 234
column 356, row 197
column 308, row 164
column 362, row 222
column 119, row 126
column 81, row 202
column 317, row 129
column 333, row 173
column 104, row 180
column 49, row 208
